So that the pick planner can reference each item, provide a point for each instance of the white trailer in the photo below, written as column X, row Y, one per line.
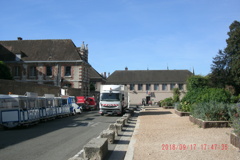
column 18, row 110
column 113, row 99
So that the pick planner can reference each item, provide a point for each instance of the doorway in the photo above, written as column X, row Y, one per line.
column 147, row 100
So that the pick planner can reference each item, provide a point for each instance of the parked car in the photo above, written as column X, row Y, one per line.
column 90, row 103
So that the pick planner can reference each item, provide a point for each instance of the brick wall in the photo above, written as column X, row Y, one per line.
column 21, row 88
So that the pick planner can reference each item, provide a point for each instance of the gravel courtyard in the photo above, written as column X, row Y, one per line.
column 161, row 134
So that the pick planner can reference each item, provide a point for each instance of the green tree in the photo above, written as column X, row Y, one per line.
column 233, row 51
column 225, row 68
column 176, row 95
column 5, row 71
column 220, row 75
column 197, row 81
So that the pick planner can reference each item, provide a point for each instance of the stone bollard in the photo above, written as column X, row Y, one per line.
column 109, row 134
column 96, row 149
column 119, row 127
column 127, row 114
column 125, row 120
column 113, row 127
column 121, row 121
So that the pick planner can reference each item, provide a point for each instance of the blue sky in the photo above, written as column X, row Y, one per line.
column 138, row 34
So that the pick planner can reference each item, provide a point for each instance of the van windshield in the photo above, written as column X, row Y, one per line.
column 110, row 97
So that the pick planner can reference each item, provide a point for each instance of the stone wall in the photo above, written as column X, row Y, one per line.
column 21, row 88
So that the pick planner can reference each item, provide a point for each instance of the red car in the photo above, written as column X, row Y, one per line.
column 90, row 103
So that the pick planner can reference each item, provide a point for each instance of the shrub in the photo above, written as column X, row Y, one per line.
column 183, row 106
column 207, row 95
column 212, row 111
column 167, row 102
column 176, row 95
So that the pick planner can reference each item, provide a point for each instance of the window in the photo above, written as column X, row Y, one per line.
column 156, row 87
column 68, row 71
column 32, row 71
column 140, row 87
column 16, row 71
column 148, row 87
column 131, row 87
column 172, row 85
column 18, row 57
column 110, row 97
column 180, row 86
column 164, row 87
column 49, row 70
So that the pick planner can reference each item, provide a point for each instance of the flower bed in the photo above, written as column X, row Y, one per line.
column 181, row 114
column 209, row 124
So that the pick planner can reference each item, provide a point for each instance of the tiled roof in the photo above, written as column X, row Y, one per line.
column 39, row 50
column 148, row 76
column 94, row 74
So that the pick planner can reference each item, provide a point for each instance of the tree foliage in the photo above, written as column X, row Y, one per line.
column 197, row 81
column 226, row 65
column 200, row 90
column 5, row 71
column 176, row 95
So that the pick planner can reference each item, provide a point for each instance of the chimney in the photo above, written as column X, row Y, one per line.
column 19, row 38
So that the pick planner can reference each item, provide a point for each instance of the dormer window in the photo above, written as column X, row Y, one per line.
column 18, row 57
column 68, row 71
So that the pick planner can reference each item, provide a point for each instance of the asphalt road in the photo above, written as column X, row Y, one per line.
column 59, row 139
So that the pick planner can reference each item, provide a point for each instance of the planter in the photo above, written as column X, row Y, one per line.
column 168, row 107
column 181, row 114
column 235, row 140
column 209, row 124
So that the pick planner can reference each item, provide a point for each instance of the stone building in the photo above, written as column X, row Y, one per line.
column 150, row 85
column 56, row 62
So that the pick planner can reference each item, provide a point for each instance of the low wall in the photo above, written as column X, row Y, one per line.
column 209, row 124
column 21, row 88
column 181, row 114
column 235, row 140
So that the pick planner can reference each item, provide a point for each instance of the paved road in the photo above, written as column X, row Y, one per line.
column 59, row 139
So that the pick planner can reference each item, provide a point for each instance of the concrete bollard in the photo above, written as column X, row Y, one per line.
column 96, row 149
column 119, row 127
column 109, row 134
column 121, row 121
column 127, row 114
column 113, row 127
column 125, row 119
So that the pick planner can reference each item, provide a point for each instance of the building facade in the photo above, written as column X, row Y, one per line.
column 150, row 86
column 52, row 62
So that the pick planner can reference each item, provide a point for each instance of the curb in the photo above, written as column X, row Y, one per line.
column 130, row 151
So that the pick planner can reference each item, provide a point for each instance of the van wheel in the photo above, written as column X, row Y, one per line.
column 102, row 114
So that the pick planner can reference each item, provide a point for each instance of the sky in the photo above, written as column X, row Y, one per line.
column 138, row 34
